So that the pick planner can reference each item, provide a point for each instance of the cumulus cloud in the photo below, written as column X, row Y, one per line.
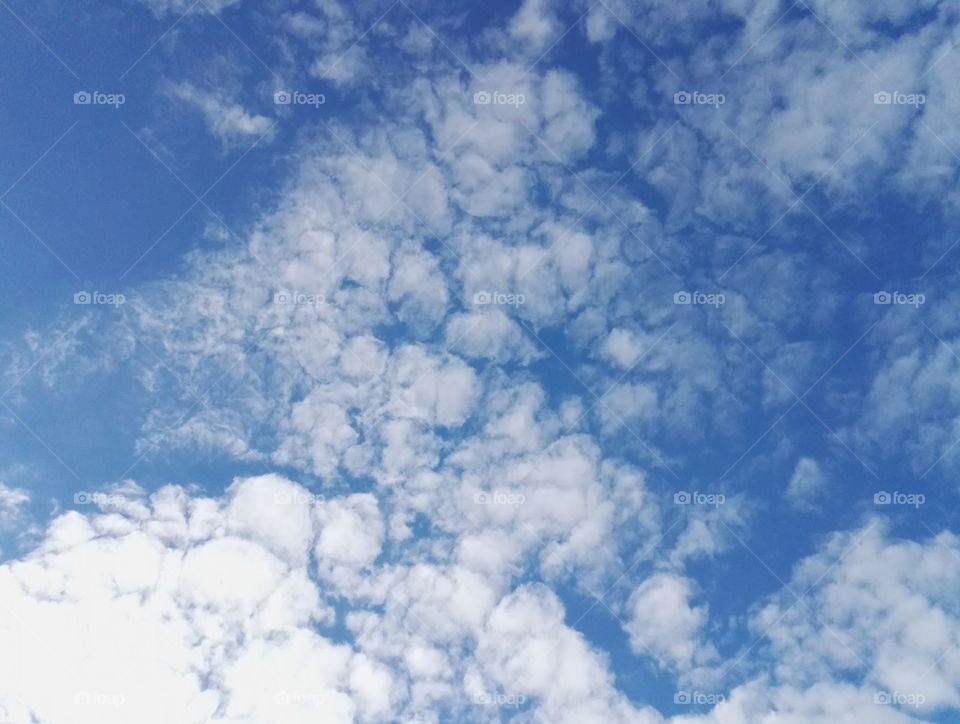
column 463, row 483
column 218, row 593
column 535, row 24
column 879, row 609
column 664, row 624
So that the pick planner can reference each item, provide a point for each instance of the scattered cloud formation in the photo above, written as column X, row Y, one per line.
column 585, row 362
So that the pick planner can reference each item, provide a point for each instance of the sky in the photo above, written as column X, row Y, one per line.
column 589, row 361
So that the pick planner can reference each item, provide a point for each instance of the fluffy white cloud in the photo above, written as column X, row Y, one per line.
column 527, row 651
column 879, row 609
column 490, row 334
column 179, row 610
column 350, row 533
column 478, row 477
column 622, row 347
column 534, row 24
column 664, row 623
column 758, row 703
column 436, row 391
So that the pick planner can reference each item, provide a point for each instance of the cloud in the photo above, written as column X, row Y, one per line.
column 664, row 624
column 226, row 120
column 806, row 484
column 189, row 7
column 490, row 335
column 12, row 504
column 527, row 651
column 462, row 484
column 199, row 585
column 879, row 609
column 534, row 25
column 622, row 347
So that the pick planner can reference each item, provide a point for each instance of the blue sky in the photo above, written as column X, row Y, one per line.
column 529, row 361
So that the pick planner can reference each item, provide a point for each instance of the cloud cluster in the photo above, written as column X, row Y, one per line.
column 475, row 344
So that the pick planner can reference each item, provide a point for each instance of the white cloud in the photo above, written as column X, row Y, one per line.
column 568, row 129
column 228, row 121
column 526, row 650
column 12, row 504
column 759, row 703
column 882, row 610
column 663, row 623
column 436, row 391
column 350, row 532
column 622, row 347
column 419, row 287
column 237, row 589
column 806, row 484
column 226, row 622
column 490, row 334
column 191, row 7
column 535, row 25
